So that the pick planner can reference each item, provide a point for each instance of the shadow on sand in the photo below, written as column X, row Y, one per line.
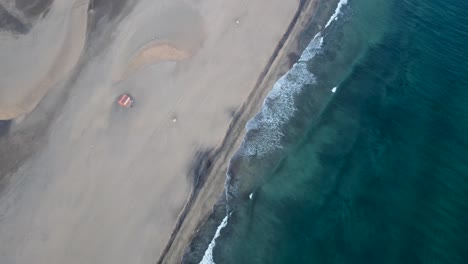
column 4, row 127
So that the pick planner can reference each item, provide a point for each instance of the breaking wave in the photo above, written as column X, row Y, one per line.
column 336, row 13
column 263, row 131
column 279, row 105
column 208, row 257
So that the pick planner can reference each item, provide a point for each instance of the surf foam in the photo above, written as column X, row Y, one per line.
column 337, row 12
column 208, row 256
column 279, row 105
column 277, row 108
column 311, row 50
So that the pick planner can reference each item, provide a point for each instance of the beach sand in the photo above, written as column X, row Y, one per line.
column 83, row 181
column 32, row 63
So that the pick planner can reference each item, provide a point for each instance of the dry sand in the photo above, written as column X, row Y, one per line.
column 32, row 63
column 108, row 185
column 152, row 54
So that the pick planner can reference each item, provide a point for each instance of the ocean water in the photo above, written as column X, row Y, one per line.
column 360, row 153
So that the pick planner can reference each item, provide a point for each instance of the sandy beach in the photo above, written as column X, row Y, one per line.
column 84, row 181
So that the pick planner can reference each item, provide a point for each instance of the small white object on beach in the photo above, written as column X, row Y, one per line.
column 250, row 196
column 237, row 21
column 333, row 90
column 174, row 119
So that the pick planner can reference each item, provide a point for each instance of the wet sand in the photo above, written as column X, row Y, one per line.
column 87, row 182
column 210, row 190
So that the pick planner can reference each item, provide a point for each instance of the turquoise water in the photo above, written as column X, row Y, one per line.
column 376, row 172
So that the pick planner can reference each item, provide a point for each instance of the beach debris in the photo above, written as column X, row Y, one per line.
column 125, row 101
column 237, row 21
column 251, row 196
column 333, row 89
column 174, row 119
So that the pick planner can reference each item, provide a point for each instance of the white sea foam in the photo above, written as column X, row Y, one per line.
column 279, row 106
column 337, row 12
column 313, row 47
column 208, row 257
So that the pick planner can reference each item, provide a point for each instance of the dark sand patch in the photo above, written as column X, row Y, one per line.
column 104, row 15
column 4, row 127
column 22, row 140
column 33, row 8
column 16, row 147
column 231, row 111
column 109, row 8
column 201, row 165
column 293, row 57
column 10, row 23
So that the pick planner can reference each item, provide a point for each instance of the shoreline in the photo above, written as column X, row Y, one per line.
column 209, row 188
column 118, row 203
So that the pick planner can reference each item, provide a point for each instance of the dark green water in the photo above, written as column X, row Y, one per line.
column 376, row 172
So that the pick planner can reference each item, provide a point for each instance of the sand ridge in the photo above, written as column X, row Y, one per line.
column 153, row 53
